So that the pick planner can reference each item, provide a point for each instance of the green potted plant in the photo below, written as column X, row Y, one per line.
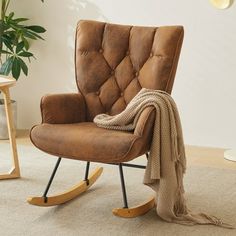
column 15, row 38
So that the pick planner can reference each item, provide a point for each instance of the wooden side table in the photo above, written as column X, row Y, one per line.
column 5, row 84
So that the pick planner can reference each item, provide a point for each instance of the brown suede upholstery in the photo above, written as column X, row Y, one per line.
column 63, row 108
column 112, row 62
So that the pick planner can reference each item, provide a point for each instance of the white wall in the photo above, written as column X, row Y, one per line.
column 206, row 79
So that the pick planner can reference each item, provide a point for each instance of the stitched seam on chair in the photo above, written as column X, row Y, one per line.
column 103, row 47
column 132, row 78
column 75, row 56
column 130, row 83
column 107, row 62
column 113, row 69
column 132, row 144
column 125, row 55
column 76, row 77
column 116, row 82
column 99, row 101
column 121, row 61
column 124, row 101
column 154, row 35
column 115, row 102
column 105, row 25
column 129, row 46
column 131, row 60
column 31, row 135
column 110, row 76
column 104, row 108
column 139, row 82
column 175, row 58
column 41, row 109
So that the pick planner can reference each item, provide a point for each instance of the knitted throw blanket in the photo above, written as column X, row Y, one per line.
column 166, row 163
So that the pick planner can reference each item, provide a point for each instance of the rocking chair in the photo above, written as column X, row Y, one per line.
column 112, row 63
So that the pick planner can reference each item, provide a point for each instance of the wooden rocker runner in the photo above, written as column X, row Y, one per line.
column 113, row 62
column 88, row 181
column 67, row 195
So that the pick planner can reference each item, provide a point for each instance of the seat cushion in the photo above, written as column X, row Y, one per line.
column 86, row 141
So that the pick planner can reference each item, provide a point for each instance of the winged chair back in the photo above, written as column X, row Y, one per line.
column 113, row 62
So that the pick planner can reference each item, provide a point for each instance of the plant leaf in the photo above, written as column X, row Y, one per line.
column 16, row 68
column 26, row 43
column 36, row 28
column 29, row 35
column 24, row 67
column 8, row 43
column 5, row 52
column 6, row 66
column 16, row 27
column 10, row 16
column 26, row 54
column 10, row 36
column 19, row 47
column 35, row 35
column 18, row 20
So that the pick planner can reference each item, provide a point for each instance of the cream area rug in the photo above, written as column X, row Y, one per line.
column 207, row 189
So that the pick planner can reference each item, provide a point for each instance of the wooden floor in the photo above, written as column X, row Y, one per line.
column 196, row 156
column 206, row 156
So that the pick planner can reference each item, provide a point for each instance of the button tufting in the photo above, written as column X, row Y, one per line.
column 151, row 55
column 101, row 50
column 98, row 92
column 112, row 72
column 121, row 94
column 137, row 74
column 127, row 53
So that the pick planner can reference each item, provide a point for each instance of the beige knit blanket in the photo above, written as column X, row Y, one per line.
column 166, row 163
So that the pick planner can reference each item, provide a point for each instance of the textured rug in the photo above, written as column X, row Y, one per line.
column 207, row 189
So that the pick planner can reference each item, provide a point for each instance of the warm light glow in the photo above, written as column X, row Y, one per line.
column 221, row 4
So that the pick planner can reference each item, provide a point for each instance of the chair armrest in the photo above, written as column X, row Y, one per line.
column 145, row 124
column 63, row 108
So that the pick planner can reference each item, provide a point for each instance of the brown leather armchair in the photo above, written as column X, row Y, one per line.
column 112, row 63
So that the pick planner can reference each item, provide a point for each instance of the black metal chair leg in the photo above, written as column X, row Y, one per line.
column 87, row 173
column 123, row 186
column 51, row 179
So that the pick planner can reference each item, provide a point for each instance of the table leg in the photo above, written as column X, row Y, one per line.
column 15, row 171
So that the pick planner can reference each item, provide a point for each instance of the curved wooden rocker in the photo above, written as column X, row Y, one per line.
column 135, row 211
column 69, row 194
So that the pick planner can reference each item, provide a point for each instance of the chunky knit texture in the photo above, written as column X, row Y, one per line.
column 167, row 162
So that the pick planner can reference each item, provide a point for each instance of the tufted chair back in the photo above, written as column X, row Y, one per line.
column 113, row 62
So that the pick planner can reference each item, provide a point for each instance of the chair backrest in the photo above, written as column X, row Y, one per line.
column 113, row 62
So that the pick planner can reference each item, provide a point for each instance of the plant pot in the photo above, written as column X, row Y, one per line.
column 3, row 119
